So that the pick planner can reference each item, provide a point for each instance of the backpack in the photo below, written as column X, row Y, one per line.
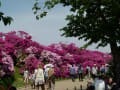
column 50, row 72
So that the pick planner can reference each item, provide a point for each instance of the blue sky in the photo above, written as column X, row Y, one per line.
column 45, row 31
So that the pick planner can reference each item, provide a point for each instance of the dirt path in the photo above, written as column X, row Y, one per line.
column 63, row 85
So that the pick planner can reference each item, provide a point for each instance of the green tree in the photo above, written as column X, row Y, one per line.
column 95, row 21
column 5, row 19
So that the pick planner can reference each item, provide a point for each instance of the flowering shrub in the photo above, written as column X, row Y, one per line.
column 31, row 62
column 17, row 48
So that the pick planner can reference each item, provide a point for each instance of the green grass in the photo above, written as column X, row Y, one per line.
column 18, row 78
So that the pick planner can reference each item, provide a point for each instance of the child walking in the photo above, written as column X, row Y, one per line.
column 26, row 77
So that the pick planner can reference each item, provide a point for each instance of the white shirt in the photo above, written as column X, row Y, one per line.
column 106, row 69
column 33, row 76
column 99, row 85
column 46, row 71
column 88, row 68
column 26, row 74
column 39, row 73
column 94, row 70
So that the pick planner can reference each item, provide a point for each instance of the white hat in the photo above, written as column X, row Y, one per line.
column 48, row 66
column 107, row 65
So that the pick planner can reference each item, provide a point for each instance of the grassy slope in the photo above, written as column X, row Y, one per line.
column 18, row 78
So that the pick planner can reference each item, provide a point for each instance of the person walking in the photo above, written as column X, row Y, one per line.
column 46, row 67
column 46, row 73
column 80, row 72
column 94, row 71
column 111, row 85
column 100, row 84
column 51, row 78
column 102, row 70
column 88, row 72
column 26, row 77
column 39, row 78
column 72, row 73
column 32, row 80
column 106, row 68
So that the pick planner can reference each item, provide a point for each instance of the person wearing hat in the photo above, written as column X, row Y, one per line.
column 46, row 69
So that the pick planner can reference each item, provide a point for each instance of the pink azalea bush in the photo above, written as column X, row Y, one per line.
column 31, row 62
column 21, row 51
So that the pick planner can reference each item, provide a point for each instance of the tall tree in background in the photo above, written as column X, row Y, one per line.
column 95, row 21
column 5, row 19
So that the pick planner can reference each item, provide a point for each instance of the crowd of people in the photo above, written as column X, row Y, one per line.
column 40, row 77
column 88, row 71
column 100, row 80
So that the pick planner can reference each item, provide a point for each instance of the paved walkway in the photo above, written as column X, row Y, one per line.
column 63, row 85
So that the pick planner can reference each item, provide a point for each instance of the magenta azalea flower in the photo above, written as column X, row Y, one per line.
column 18, row 48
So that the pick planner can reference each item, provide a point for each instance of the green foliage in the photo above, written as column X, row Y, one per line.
column 3, row 83
column 85, row 45
column 111, row 70
column 93, row 21
column 0, row 3
column 6, row 81
column 49, row 4
column 96, row 21
column 17, row 81
column 18, row 78
column 5, row 19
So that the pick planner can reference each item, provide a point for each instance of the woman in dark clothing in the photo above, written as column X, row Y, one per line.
column 111, row 85
column 115, row 86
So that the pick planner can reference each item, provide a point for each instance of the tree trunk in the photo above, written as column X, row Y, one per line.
column 116, row 61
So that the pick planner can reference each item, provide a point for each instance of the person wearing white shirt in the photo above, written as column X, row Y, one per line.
column 39, row 78
column 94, row 70
column 26, row 77
column 100, row 84
column 46, row 73
column 88, row 70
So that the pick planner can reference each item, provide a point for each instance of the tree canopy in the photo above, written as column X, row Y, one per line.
column 5, row 19
column 97, row 21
